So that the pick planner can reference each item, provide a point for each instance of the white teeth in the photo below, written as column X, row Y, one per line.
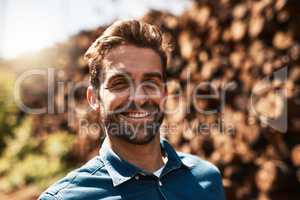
column 138, row 114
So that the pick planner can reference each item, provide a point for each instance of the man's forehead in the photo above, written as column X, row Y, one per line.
column 122, row 70
column 132, row 55
column 129, row 59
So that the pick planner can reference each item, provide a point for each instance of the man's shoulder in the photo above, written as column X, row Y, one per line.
column 199, row 167
column 206, row 173
column 72, row 178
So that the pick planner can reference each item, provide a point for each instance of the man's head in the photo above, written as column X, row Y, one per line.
column 127, row 68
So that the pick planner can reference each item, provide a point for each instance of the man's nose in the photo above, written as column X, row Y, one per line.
column 139, row 96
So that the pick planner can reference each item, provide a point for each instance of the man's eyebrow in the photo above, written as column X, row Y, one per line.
column 119, row 74
column 153, row 74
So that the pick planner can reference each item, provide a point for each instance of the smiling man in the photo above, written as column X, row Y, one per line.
column 128, row 90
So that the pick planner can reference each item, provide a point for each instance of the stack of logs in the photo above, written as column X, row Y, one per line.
column 244, row 55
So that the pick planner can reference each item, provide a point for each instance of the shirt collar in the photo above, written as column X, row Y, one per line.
column 120, row 170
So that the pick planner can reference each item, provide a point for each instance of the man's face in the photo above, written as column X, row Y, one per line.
column 132, row 93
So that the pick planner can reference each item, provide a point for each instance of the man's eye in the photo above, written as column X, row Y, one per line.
column 152, row 84
column 122, row 85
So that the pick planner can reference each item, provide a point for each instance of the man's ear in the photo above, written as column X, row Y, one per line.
column 92, row 99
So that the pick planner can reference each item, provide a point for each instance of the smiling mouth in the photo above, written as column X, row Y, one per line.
column 138, row 116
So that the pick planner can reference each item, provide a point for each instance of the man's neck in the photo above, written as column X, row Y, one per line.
column 147, row 157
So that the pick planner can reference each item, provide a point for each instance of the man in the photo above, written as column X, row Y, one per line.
column 127, row 67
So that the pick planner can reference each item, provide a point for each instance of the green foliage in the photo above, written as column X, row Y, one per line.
column 33, row 160
column 58, row 144
column 8, row 109
column 25, row 158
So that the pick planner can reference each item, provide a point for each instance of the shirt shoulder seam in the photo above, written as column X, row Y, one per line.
column 73, row 179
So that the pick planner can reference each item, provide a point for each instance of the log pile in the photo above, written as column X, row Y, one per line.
column 237, row 47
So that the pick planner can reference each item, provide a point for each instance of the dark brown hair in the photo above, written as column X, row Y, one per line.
column 124, row 32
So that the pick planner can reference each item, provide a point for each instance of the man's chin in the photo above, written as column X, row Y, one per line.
column 138, row 139
column 132, row 132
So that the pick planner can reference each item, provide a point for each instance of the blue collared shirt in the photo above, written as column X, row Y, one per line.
column 109, row 177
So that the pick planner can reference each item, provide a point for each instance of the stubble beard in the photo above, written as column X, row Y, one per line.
column 138, row 134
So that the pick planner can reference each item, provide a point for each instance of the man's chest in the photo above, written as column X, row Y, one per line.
column 181, row 186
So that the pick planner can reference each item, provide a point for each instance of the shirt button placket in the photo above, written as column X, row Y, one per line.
column 160, row 189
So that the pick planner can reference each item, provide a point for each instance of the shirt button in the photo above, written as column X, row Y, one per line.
column 159, row 183
column 137, row 177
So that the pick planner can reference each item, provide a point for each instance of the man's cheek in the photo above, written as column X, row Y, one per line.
column 117, row 104
column 159, row 98
column 161, row 103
